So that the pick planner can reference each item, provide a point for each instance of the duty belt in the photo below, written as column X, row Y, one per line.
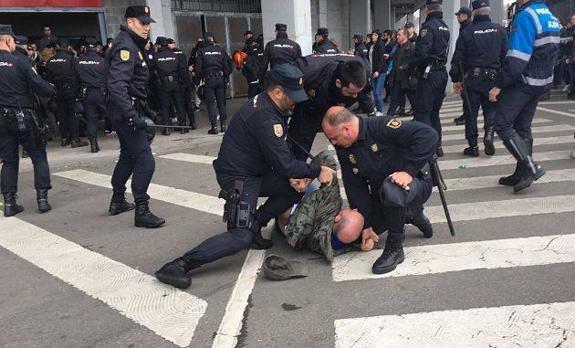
column 488, row 73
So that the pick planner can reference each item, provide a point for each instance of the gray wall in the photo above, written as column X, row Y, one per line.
column 115, row 10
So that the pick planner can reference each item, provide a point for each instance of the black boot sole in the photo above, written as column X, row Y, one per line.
column 10, row 212
column 145, row 225
column 489, row 148
column 522, row 185
column 383, row 270
column 113, row 212
column 174, row 281
column 44, row 209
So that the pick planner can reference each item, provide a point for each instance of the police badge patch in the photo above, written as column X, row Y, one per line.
column 278, row 130
column 423, row 32
column 352, row 159
column 374, row 147
column 124, row 55
column 394, row 123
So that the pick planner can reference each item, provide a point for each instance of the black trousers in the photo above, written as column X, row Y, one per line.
column 254, row 88
column 170, row 98
column 215, row 95
column 136, row 160
column 303, row 128
column 94, row 109
column 398, row 95
column 514, row 113
column 430, row 94
column 67, row 121
column 281, row 197
column 392, row 218
column 478, row 92
column 10, row 138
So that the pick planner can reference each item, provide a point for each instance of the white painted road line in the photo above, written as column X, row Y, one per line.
column 568, row 114
column 457, row 257
column 188, row 157
column 490, row 181
column 166, row 311
column 453, row 127
column 501, row 209
column 539, row 325
column 535, row 130
column 563, row 139
column 563, row 102
column 232, row 321
column 486, row 161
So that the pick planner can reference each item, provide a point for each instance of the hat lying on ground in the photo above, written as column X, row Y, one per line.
column 277, row 268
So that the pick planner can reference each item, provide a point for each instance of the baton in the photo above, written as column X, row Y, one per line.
column 301, row 147
column 169, row 127
column 465, row 95
column 441, row 187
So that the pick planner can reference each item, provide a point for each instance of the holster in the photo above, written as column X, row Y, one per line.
column 237, row 213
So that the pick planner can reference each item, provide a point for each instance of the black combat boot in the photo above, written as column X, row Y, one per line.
column 531, row 170
column 459, row 121
column 472, row 151
column 119, row 205
column 488, row 142
column 439, row 151
column 175, row 273
column 193, row 120
column 165, row 131
column 94, row 145
column 259, row 242
column 222, row 126
column 42, row 200
column 11, row 207
column 145, row 218
column 214, row 129
column 64, row 142
column 391, row 257
column 417, row 218
column 78, row 143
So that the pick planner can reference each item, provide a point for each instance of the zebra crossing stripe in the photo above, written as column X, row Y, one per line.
column 564, row 139
column 470, row 162
column 480, row 125
column 166, row 311
column 537, row 325
column 535, row 130
column 188, row 157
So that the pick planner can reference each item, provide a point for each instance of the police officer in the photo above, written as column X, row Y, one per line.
column 19, row 124
column 360, row 49
column 186, row 83
column 385, row 171
column 173, row 77
column 526, row 74
column 126, row 81
column 214, row 66
column 281, row 50
column 428, row 60
column 480, row 50
column 324, row 45
column 92, row 75
column 328, row 80
column 254, row 161
column 255, row 69
column 248, row 38
column 61, row 71
column 464, row 20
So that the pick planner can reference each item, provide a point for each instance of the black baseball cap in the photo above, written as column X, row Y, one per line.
column 464, row 10
column 477, row 4
column 208, row 34
column 170, row 41
column 6, row 29
column 20, row 39
column 161, row 41
column 91, row 42
column 322, row 31
column 281, row 27
column 291, row 79
column 248, row 32
column 140, row 12
column 433, row 2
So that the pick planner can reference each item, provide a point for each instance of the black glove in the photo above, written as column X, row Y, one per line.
column 137, row 123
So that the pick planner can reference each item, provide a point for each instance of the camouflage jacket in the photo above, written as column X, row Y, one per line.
column 310, row 226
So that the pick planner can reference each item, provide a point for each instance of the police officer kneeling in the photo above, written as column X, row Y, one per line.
column 127, row 86
column 385, row 171
column 19, row 124
column 254, row 161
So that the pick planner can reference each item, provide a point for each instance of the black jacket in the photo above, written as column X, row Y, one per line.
column 377, row 60
column 325, row 47
column 91, row 69
column 212, row 60
column 281, row 50
column 432, row 44
column 61, row 71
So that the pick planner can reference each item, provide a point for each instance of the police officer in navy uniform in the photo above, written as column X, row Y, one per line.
column 328, row 80
column 255, row 68
column 186, row 82
column 385, row 171
column 324, row 45
column 254, row 161
column 464, row 18
column 428, row 61
column 360, row 49
column 173, row 77
column 281, row 50
column 214, row 66
column 61, row 71
column 20, row 125
column 480, row 50
column 127, row 81
column 526, row 74
column 91, row 72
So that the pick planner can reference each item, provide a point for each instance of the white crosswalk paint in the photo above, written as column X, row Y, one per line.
column 562, row 113
column 564, row 139
column 535, row 130
column 231, row 324
column 485, row 161
column 188, row 157
column 562, row 102
column 169, row 313
column 538, row 325
column 457, row 257
column 453, row 127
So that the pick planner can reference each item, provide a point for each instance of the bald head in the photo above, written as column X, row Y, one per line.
column 348, row 225
column 340, row 126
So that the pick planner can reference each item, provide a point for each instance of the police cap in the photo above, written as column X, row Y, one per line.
column 161, row 41
column 281, row 27
column 207, row 35
column 322, row 31
column 91, row 42
column 170, row 41
column 477, row 4
column 464, row 10
column 248, row 32
column 6, row 29
column 140, row 12
column 358, row 36
column 290, row 78
column 20, row 39
column 433, row 2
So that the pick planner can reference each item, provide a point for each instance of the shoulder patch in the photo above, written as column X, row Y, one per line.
column 394, row 123
column 278, row 130
column 124, row 55
column 423, row 32
column 374, row 147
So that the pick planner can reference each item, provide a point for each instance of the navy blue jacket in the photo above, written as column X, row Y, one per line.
column 432, row 44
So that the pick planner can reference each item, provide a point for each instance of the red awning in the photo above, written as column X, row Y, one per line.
column 50, row 3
